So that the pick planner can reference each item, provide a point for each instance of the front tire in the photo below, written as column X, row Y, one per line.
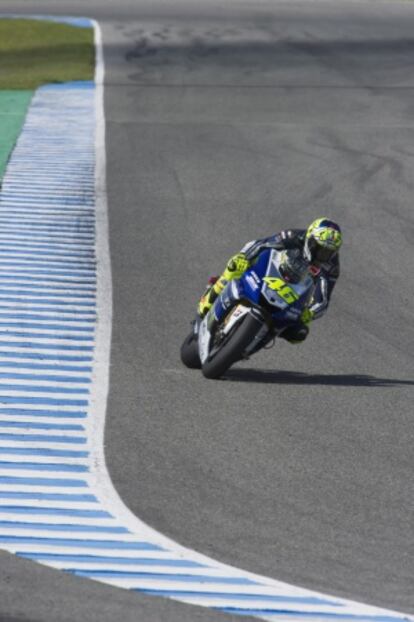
column 234, row 349
column 189, row 352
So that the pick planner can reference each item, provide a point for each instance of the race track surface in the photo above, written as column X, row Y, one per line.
column 224, row 125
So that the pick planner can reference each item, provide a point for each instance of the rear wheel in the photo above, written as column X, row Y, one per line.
column 233, row 349
column 189, row 352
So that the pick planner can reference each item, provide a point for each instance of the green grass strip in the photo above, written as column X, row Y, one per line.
column 34, row 52
column 13, row 107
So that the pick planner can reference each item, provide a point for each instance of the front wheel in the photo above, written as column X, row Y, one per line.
column 189, row 352
column 233, row 349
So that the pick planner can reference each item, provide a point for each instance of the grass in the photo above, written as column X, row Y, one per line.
column 34, row 52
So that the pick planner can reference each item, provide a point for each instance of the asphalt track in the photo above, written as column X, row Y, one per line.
column 226, row 124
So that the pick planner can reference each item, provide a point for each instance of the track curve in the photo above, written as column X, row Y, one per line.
column 231, row 130
column 224, row 125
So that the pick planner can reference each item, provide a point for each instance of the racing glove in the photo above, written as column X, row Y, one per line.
column 236, row 266
column 306, row 316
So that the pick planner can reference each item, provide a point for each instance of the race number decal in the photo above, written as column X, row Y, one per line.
column 283, row 290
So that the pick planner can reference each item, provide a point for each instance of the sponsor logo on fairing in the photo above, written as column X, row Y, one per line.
column 250, row 280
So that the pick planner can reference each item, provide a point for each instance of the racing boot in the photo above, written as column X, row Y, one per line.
column 208, row 298
column 236, row 266
column 295, row 334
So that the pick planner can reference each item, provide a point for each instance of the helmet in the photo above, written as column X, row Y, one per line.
column 323, row 240
column 293, row 267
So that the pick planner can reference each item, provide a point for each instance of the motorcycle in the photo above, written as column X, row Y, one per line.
column 253, row 311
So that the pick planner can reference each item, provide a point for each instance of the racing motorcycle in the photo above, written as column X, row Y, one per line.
column 252, row 311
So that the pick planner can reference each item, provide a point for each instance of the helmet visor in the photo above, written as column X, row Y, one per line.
column 319, row 253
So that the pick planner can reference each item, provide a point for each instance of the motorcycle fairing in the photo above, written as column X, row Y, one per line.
column 260, row 281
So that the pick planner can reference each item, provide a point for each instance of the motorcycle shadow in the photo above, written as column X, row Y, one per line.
column 266, row 376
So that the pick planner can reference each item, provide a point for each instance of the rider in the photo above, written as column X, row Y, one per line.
column 319, row 245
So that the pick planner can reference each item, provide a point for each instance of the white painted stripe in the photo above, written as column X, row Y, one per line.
column 47, row 186
column 40, row 372
column 14, row 206
column 73, row 550
column 28, row 157
column 36, row 473
column 7, row 427
column 27, row 425
column 38, row 274
column 49, row 432
column 9, row 231
column 16, row 444
column 24, row 174
column 21, row 306
column 21, row 459
column 42, row 216
column 26, row 259
column 40, row 503
column 23, row 170
column 152, row 567
column 31, row 288
column 61, row 408
column 50, row 519
column 43, row 220
column 127, row 554
column 45, row 320
column 21, row 206
column 93, row 536
column 71, row 247
column 58, row 255
column 152, row 583
column 5, row 338
column 25, row 154
column 44, row 331
column 69, row 244
column 43, row 198
column 30, row 183
column 52, row 191
column 26, row 488
column 45, row 347
column 70, row 299
column 44, row 548
column 78, row 223
column 48, row 198
column 80, row 231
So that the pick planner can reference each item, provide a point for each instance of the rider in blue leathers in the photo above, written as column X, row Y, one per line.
column 319, row 244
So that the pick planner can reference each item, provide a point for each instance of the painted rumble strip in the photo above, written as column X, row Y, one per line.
column 57, row 503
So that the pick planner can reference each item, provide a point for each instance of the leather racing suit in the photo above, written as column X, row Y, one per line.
column 325, row 276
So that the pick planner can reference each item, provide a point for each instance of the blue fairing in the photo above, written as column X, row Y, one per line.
column 246, row 284
column 251, row 286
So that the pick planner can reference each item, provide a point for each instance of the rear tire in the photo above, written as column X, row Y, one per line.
column 189, row 352
column 233, row 350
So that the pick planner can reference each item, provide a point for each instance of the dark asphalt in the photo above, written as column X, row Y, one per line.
column 33, row 593
column 226, row 124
